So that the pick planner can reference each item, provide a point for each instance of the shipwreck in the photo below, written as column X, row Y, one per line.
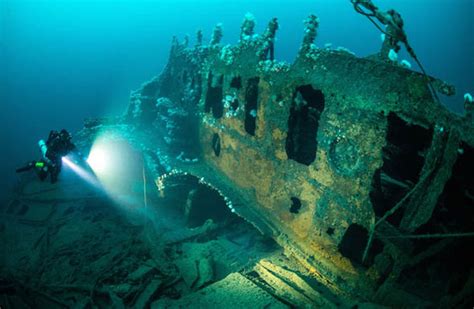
column 351, row 165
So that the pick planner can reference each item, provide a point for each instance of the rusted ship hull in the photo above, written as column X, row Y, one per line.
column 346, row 161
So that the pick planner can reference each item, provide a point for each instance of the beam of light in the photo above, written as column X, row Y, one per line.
column 81, row 172
column 119, row 169
column 98, row 160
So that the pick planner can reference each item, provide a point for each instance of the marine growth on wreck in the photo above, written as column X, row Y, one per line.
column 332, row 181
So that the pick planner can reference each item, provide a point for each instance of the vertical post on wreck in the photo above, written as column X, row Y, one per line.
column 247, row 28
column 186, row 41
column 199, row 38
column 268, row 41
column 468, row 107
column 310, row 32
column 216, row 35
column 174, row 43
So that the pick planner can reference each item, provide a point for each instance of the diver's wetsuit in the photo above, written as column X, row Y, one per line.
column 57, row 146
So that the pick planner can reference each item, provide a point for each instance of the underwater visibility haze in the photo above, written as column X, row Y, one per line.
column 63, row 61
column 211, row 154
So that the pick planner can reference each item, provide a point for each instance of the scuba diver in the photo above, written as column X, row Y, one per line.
column 57, row 145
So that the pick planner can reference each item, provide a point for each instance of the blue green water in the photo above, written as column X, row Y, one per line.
column 64, row 60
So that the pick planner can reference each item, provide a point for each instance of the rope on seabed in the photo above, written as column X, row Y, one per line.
column 400, row 204
column 447, row 235
column 413, row 236
column 144, row 187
